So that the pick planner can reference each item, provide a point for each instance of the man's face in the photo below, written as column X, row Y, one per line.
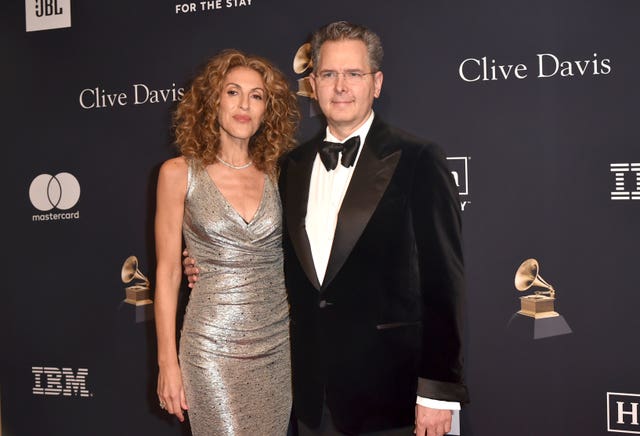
column 346, row 102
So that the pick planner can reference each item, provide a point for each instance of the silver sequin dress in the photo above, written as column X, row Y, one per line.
column 234, row 345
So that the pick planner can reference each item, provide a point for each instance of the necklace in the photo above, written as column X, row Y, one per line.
column 235, row 167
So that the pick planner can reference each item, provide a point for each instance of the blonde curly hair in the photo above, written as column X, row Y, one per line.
column 195, row 121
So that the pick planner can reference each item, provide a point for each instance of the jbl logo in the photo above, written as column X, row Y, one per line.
column 55, row 381
column 47, row 14
column 46, row 8
column 622, row 413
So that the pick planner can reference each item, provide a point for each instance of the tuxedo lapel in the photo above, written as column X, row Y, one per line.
column 297, row 192
column 368, row 183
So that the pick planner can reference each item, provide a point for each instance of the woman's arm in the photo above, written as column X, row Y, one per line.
column 171, row 192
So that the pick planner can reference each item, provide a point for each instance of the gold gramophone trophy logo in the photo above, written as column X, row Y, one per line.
column 138, row 294
column 540, row 305
column 302, row 62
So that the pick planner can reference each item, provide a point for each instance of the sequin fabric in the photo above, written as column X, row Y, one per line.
column 234, row 344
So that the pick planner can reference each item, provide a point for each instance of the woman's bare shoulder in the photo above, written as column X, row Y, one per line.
column 174, row 168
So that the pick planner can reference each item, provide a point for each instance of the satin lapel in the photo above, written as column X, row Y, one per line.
column 297, row 186
column 368, row 183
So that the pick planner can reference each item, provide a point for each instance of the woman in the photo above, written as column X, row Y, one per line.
column 233, row 369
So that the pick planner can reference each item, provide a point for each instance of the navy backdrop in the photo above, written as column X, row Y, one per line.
column 535, row 104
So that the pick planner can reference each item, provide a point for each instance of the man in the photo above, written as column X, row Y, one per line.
column 373, row 260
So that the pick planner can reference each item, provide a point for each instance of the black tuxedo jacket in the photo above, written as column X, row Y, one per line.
column 386, row 322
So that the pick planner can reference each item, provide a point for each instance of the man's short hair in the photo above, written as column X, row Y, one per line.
column 343, row 30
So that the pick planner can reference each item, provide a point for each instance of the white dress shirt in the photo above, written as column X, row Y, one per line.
column 326, row 192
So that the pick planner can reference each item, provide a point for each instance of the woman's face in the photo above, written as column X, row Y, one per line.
column 242, row 104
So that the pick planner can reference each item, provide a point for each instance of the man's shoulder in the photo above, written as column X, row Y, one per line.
column 398, row 138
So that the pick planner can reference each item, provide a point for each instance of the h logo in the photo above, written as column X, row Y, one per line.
column 459, row 167
column 622, row 413
column 624, row 178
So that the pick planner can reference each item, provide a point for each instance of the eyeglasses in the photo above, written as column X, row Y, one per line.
column 350, row 77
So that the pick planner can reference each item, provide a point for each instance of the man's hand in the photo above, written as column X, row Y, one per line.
column 432, row 422
column 190, row 269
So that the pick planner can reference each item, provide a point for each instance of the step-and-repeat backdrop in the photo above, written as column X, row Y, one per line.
column 535, row 104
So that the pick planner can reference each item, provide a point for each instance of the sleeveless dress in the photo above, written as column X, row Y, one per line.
column 234, row 344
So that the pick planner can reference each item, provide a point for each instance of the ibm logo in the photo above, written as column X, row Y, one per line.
column 47, row 14
column 53, row 381
column 622, row 413
column 624, row 175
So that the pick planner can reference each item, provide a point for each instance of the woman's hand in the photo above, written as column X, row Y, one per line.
column 171, row 391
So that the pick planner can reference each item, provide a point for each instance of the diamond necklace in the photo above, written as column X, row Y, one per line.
column 235, row 167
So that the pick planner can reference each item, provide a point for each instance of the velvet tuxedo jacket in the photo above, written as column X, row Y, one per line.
column 385, row 324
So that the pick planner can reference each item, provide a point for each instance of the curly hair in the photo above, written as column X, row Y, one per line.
column 195, row 121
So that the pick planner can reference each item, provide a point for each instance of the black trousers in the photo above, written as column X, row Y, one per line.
column 327, row 428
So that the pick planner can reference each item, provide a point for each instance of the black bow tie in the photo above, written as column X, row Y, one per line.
column 329, row 152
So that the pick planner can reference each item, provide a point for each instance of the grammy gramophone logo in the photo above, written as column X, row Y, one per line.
column 538, row 306
column 540, row 303
column 138, row 293
column 301, row 63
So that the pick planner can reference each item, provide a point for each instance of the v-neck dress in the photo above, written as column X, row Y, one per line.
column 234, row 344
